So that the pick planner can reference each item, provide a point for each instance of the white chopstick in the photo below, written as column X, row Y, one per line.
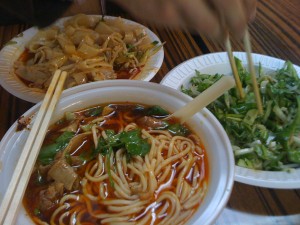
column 203, row 99
column 15, row 191
column 233, row 68
column 247, row 45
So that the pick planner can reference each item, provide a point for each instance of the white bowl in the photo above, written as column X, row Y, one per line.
column 215, row 140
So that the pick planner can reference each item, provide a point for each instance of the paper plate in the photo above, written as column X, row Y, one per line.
column 218, row 63
column 11, row 52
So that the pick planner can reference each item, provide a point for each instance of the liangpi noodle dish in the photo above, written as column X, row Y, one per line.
column 270, row 141
column 91, row 48
column 110, row 158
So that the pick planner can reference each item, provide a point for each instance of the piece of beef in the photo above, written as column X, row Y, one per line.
column 62, row 172
column 151, row 122
column 49, row 196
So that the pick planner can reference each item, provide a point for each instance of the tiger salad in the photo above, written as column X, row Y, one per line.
column 270, row 141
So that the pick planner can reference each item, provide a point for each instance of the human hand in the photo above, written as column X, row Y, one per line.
column 208, row 17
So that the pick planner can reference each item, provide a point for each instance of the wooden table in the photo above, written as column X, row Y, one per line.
column 275, row 32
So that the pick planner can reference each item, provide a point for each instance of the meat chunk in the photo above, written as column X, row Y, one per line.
column 107, row 110
column 152, row 123
column 72, row 127
column 62, row 172
column 43, row 170
column 49, row 196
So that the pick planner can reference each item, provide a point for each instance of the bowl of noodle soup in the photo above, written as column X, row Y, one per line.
column 121, row 163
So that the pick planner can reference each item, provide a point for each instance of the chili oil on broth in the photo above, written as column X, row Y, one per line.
column 116, row 184
column 89, row 48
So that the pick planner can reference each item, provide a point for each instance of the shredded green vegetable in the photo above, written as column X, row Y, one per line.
column 48, row 152
column 265, row 142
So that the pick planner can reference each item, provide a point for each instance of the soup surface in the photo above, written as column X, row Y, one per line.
column 117, row 164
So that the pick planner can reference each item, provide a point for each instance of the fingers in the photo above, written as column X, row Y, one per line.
column 155, row 11
column 250, row 9
column 233, row 14
column 195, row 14
column 236, row 14
column 198, row 15
column 169, row 14
column 208, row 17
column 140, row 9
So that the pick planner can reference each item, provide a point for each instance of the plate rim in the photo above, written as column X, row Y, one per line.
column 259, row 178
column 10, row 52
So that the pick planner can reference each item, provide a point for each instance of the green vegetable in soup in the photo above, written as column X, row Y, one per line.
column 96, row 111
column 37, row 211
column 178, row 129
column 156, row 111
column 108, row 167
column 48, row 152
column 132, row 141
column 266, row 142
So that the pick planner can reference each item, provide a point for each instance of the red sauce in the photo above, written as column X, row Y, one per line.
column 128, row 73
column 121, row 73
column 24, row 57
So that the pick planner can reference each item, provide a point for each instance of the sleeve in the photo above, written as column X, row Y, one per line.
column 39, row 13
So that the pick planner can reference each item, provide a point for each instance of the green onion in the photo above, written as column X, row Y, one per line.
column 266, row 142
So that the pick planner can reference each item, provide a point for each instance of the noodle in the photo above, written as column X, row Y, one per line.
column 88, row 48
column 165, row 186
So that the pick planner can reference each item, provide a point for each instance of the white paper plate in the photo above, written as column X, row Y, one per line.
column 11, row 52
column 218, row 63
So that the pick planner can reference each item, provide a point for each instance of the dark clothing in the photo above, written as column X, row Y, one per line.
column 39, row 13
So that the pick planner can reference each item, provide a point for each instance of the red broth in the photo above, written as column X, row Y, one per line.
column 155, row 205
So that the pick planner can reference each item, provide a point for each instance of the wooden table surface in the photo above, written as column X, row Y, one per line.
column 275, row 32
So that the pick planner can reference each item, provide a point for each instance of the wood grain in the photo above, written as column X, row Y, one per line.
column 274, row 32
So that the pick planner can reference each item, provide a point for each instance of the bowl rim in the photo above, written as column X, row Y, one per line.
column 81, row 90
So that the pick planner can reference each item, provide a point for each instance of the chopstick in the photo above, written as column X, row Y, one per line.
column 203, row 99
column 247, row 46
column 233, row 68
column 22, row 172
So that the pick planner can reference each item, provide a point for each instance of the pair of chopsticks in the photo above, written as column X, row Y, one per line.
column 247, row 45
column 15, row 191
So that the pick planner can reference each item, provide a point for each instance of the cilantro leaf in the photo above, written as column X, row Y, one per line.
column 134, row 143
